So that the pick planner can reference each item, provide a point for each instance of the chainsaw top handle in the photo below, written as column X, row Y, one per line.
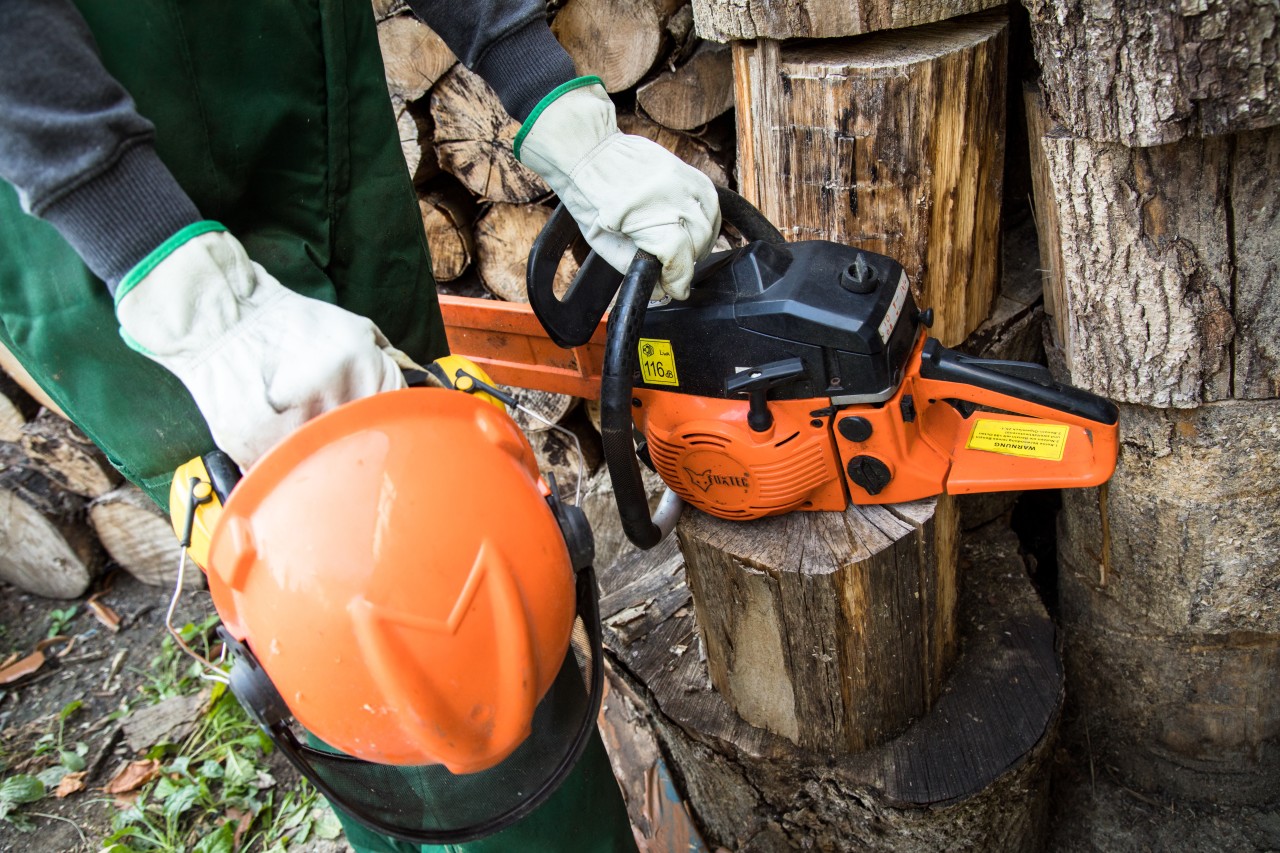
column 571, row 321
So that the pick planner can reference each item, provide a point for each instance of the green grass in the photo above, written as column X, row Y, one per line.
column 214, row 794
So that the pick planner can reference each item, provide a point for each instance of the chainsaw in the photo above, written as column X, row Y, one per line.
column 796, row 376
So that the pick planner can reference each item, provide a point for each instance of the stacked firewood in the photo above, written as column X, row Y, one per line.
column 481, row 208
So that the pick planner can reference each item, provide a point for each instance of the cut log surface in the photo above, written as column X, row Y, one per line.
column 46, row 546
column 694, row 93
column 14, row 369
column 785, row 19
column 615, row 40
column 969, row 774
column 473, row 138
column 414, row 125
column 549, row 407
column 139, row 537
column 892, row 142
column 1161, row 263
column 53, row 445
column 688, row 148
column 1148, row 72
column 413, row 55
column 447, row 218
column 504, row 234
column 1168, row 595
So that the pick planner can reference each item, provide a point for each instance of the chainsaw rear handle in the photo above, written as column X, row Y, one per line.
column 1022, row 381
column 571, row 321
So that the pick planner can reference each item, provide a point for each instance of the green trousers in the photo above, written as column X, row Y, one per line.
column 273, row 115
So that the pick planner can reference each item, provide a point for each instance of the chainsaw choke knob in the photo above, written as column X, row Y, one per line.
column 870, row 473
column 859, row 277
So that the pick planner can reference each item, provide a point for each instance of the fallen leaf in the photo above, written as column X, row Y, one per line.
column 104, row 614
column 243, row 819
column 10, row 659
column 70, row 783
column 133, row 776
column 26, row 666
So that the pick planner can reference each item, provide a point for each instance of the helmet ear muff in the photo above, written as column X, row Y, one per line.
column 250, row 684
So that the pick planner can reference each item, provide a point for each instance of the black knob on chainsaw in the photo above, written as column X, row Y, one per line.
column 859, row 277
column 870, row 473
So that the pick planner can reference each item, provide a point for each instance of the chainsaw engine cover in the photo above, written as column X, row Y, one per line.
column 845, row 313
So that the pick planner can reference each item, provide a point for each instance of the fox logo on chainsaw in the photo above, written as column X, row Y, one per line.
column 706, row 479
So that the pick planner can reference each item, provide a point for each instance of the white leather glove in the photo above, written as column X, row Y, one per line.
column 259, row 359
column 625, row 192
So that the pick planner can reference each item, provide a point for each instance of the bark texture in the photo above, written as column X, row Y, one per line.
column 1171, row 609
column 894, row 143
column 1161, row 263
column 1152, row 72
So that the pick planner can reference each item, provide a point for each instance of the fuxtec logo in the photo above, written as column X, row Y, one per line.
column 706, row 479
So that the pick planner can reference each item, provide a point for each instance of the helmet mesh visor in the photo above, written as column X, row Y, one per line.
column 428, row 804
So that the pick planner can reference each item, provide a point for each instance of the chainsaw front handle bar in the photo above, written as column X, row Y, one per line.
column 571, row 321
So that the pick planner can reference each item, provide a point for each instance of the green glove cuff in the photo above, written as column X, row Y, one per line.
column 575, row 83
column 159, row 253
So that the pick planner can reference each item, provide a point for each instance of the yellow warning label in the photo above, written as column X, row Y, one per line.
column 1015, row 438
column 657, row 362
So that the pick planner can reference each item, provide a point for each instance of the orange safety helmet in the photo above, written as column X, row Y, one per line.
column 395, row 576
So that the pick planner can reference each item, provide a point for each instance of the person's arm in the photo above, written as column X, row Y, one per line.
column 506, row 42
column 257, row 358
column 626, row 192
column 74, row 146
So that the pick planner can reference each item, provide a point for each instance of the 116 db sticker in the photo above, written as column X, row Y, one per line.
column 1015, row 438
column 657, row 362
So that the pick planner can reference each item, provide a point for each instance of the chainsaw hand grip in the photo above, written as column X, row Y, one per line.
column 571, row 321
column 625, row 321
column 1019, row 380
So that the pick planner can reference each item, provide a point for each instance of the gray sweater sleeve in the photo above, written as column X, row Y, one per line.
column 81, row 157
column 74, row 146
column 506, row 42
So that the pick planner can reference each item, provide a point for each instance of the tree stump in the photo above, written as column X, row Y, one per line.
column 969, row 773
column 788, row 19
column 833, row 630
column 1170, row 606
column 893, row 142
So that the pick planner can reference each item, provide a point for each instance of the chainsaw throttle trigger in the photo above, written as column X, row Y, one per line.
column 755, row 382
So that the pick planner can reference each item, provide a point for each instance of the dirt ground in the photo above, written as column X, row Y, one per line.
column 104, row 670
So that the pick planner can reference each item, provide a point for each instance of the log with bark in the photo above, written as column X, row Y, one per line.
column 55, row 447
column 786, row 19
column 1147, row 72
column 893, row 142
column 448, row 214
column 1161, row 263
column 968, row 773
column 46, row 545
column 692, row 94
column 615, row 40
column 414, row 57
column 139, row 537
